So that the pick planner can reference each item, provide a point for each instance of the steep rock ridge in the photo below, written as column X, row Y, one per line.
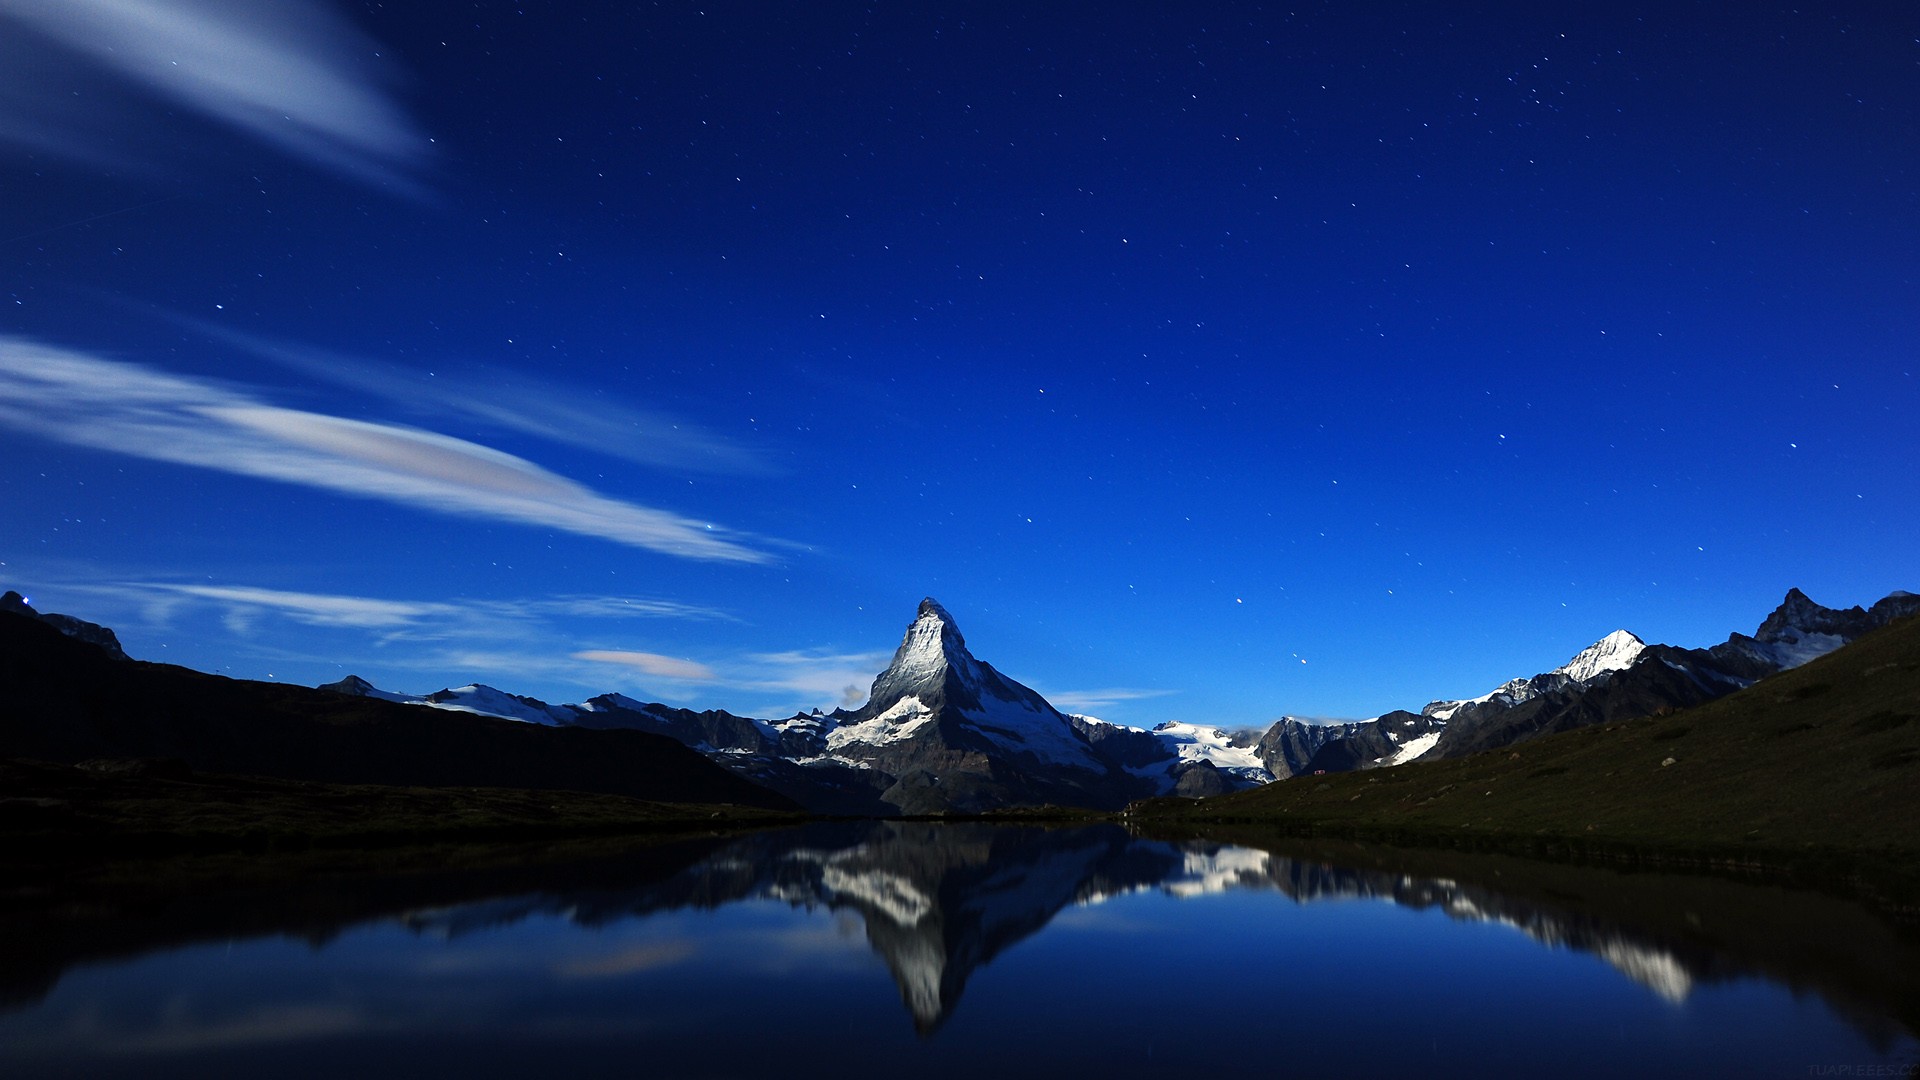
column 954, row 734
column 78, row 629
column 1392, row 739
column 477, row 698
column 1800, row 630
column 1291, row 742
column 1615, row 652
column 1656, row 678
column 1180, row 759
column 788, row 756
column 1618, row 677
column 941, row 731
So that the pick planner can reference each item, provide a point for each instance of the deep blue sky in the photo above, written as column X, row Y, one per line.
column 1207, row 364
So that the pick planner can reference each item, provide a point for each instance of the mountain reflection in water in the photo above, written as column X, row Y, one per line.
column 939, row 902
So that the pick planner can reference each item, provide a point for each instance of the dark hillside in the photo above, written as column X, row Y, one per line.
column 1824, row 756
column 66, row 701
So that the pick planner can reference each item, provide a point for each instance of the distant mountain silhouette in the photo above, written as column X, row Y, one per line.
column 67, row 701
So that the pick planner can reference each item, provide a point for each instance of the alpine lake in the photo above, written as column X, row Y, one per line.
column 850, row 949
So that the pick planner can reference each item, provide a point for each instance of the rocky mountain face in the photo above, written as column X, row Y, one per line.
column 1393, row 739
column 952, row 733
column 1625, row 679
column 941, row 732
column 78, row 629
column 1290, row 743
column 944, row 732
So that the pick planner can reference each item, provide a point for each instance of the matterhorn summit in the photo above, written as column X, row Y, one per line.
column 956, row 734
column 932, row 666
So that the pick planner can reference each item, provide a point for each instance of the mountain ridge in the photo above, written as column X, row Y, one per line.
column 942, row 731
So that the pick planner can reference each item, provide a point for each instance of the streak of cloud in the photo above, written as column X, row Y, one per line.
column 317, row 609
column 647, row 956
column 287, row 72
column 1101, row 698
column 568, row 415
column 665, row 667
column 125, row 408
column 819, row 674
column 409, row 618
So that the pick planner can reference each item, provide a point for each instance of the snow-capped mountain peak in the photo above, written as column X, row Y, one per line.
column 1615, row 652
column 487, row 701
column 355, row 686
column 476, row 698
column 931, row 664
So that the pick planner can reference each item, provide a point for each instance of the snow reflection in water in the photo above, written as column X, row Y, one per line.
column 621, row 952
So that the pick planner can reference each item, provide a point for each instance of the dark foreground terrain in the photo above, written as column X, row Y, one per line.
column 161, row 807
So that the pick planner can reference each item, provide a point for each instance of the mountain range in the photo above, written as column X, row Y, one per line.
column 69, row 700
column 944, row 732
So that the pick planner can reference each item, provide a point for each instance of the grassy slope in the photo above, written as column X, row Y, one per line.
column 1821, row 759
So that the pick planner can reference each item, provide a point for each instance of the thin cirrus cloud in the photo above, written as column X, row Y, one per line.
column 287, row 72
column 110, row 405
column 399, row 618
column 665, row 667
column 817, row 675
column 568, row 415
column 314, row 609
column 1103, row 698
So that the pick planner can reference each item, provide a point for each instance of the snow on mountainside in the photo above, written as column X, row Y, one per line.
column 1615, row 652
column 1165, row 752
column 479, row 699
column 485, row 700
column 1413, row 748
column 932, row 675
column 943, row 731
column 355, row 686
column 1236, row 754
column 1512, row 692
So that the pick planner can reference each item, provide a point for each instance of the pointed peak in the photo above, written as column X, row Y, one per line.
column 931, row 614
column 1798, row 616
column 930, row 651
column 1615, row 652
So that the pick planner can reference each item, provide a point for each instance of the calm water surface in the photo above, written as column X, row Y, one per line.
column 852, row 950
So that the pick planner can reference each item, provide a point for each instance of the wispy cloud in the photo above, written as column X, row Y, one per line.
column 415, row 619
column 820, row 675
column 122, row 407
column 665, row 667
column 619, row 607
column 515, row 401
column 1100, row 699
column 287, row 72
column 646, row 956
column 316, row 609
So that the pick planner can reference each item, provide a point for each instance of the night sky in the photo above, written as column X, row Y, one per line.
column 1207, row 362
